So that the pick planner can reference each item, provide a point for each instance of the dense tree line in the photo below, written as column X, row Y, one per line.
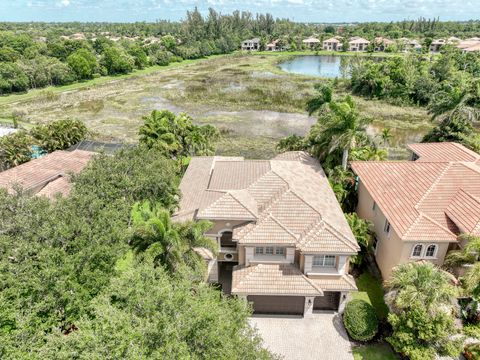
column 447, row 85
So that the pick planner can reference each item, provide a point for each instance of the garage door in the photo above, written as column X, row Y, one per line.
column 291, row 305
column 329, row 301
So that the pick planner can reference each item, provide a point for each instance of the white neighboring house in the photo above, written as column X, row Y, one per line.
column 7, row 131
column 332, row 44
column 358, row 44
column 251, row 44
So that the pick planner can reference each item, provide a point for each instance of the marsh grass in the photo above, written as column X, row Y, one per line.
column 249, row 96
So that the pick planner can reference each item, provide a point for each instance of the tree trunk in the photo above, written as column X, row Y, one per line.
column 345, row 159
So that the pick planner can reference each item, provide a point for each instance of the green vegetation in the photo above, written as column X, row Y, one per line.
column 373, row 352
column 362, row 230
column 421, row 319
column 370, row 289
column 360, row 320
column 72, row 287
column 176, row 135
column 16, row 148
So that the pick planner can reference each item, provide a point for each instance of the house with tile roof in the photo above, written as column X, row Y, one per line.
column 332, row 44
column 311, row 42
column 420, row 207
column 357, row 43
column 381, row 43
column 284, row 241
column 48, row 175
column 251, row 44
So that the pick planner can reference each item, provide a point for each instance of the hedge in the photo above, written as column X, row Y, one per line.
column 360, row 320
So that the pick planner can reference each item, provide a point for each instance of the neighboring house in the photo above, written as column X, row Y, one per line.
column 469, row 45
column 332, row 44
column 47, row 175
column 311, row 42
column 411, row 45
column 418, row 208
column 284, row 241
column 437, row 44
column 382, row 43
column 358, row 44
column 275, row 45
column 251, row 45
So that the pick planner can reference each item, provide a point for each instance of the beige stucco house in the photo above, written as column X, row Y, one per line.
column 284, row 242
column 418, row 208
column 311, row 42
column 332, row 44
column 357, row 43
column 381, row 43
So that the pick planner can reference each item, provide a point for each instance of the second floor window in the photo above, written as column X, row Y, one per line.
column 324, row 260
column 259, row 250
column 270, row 250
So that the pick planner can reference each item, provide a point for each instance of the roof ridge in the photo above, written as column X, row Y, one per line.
column 466, row 150
column 238, row 201
column 348, row 279
column 283, row 226
column 312, row 284
column 305, row 202
column 342, row 236
column 430, row 189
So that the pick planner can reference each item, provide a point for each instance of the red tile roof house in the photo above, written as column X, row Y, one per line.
column 332, row 44
column 358, row 44
column 284, row 242
column 48, row 175
column 418, row 208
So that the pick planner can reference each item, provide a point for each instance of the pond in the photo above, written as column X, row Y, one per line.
column 326, row 66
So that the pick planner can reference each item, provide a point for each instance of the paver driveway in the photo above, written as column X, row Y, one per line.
column 320, row 337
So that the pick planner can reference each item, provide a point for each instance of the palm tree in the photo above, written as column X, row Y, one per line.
column 386, row 135
column 368, row 153
column 412, row 283
column 319, row 102
column 341, row 128
column 460, row 103
column 362, row 230
column 167, row 243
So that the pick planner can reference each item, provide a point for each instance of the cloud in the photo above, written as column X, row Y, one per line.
column 63, row 3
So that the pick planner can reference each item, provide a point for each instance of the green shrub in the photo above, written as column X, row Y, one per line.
column 472, row 330
column 360, row 320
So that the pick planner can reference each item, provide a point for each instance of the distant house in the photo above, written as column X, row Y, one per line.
column 382, row 43
column 275, row 45
column 47, row 175
column 411, row 45
column 436, row 45
column 469, row 45
column 419, row 208
column 358, row 44
column 251, row 44
column 311, row 42
column 332, row 44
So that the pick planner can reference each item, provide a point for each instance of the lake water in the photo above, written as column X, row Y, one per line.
column 327, row 66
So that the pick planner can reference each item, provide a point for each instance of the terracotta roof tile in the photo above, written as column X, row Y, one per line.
column 335, row 283
column 272, row 279
column 464, row 210
column 230, row 206
column 269, row 231
column 236, row 175
column 415, row 195
column 38, row 173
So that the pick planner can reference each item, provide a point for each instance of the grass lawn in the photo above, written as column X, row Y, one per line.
column 373, row 352
column 370, row 289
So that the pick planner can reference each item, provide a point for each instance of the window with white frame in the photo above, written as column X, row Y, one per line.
column 431, row 251
column 270, row 250
column 324, row 260
column 417, row 250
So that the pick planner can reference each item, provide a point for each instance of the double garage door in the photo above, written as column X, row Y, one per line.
column 292, row 305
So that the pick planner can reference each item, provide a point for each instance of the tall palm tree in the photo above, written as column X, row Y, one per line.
column 167, row 243
column 341, row 128
column 362, row 230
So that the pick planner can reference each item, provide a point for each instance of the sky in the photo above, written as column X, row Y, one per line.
column 320, row 11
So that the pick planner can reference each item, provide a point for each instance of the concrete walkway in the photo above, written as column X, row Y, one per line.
column 319, row 337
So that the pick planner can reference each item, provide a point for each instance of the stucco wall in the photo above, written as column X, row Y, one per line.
column 391, row 250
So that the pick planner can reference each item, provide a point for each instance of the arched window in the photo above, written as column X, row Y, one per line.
column 431, row 251
column 417, row 250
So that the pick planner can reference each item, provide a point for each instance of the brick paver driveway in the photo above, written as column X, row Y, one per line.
column 320, row 337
